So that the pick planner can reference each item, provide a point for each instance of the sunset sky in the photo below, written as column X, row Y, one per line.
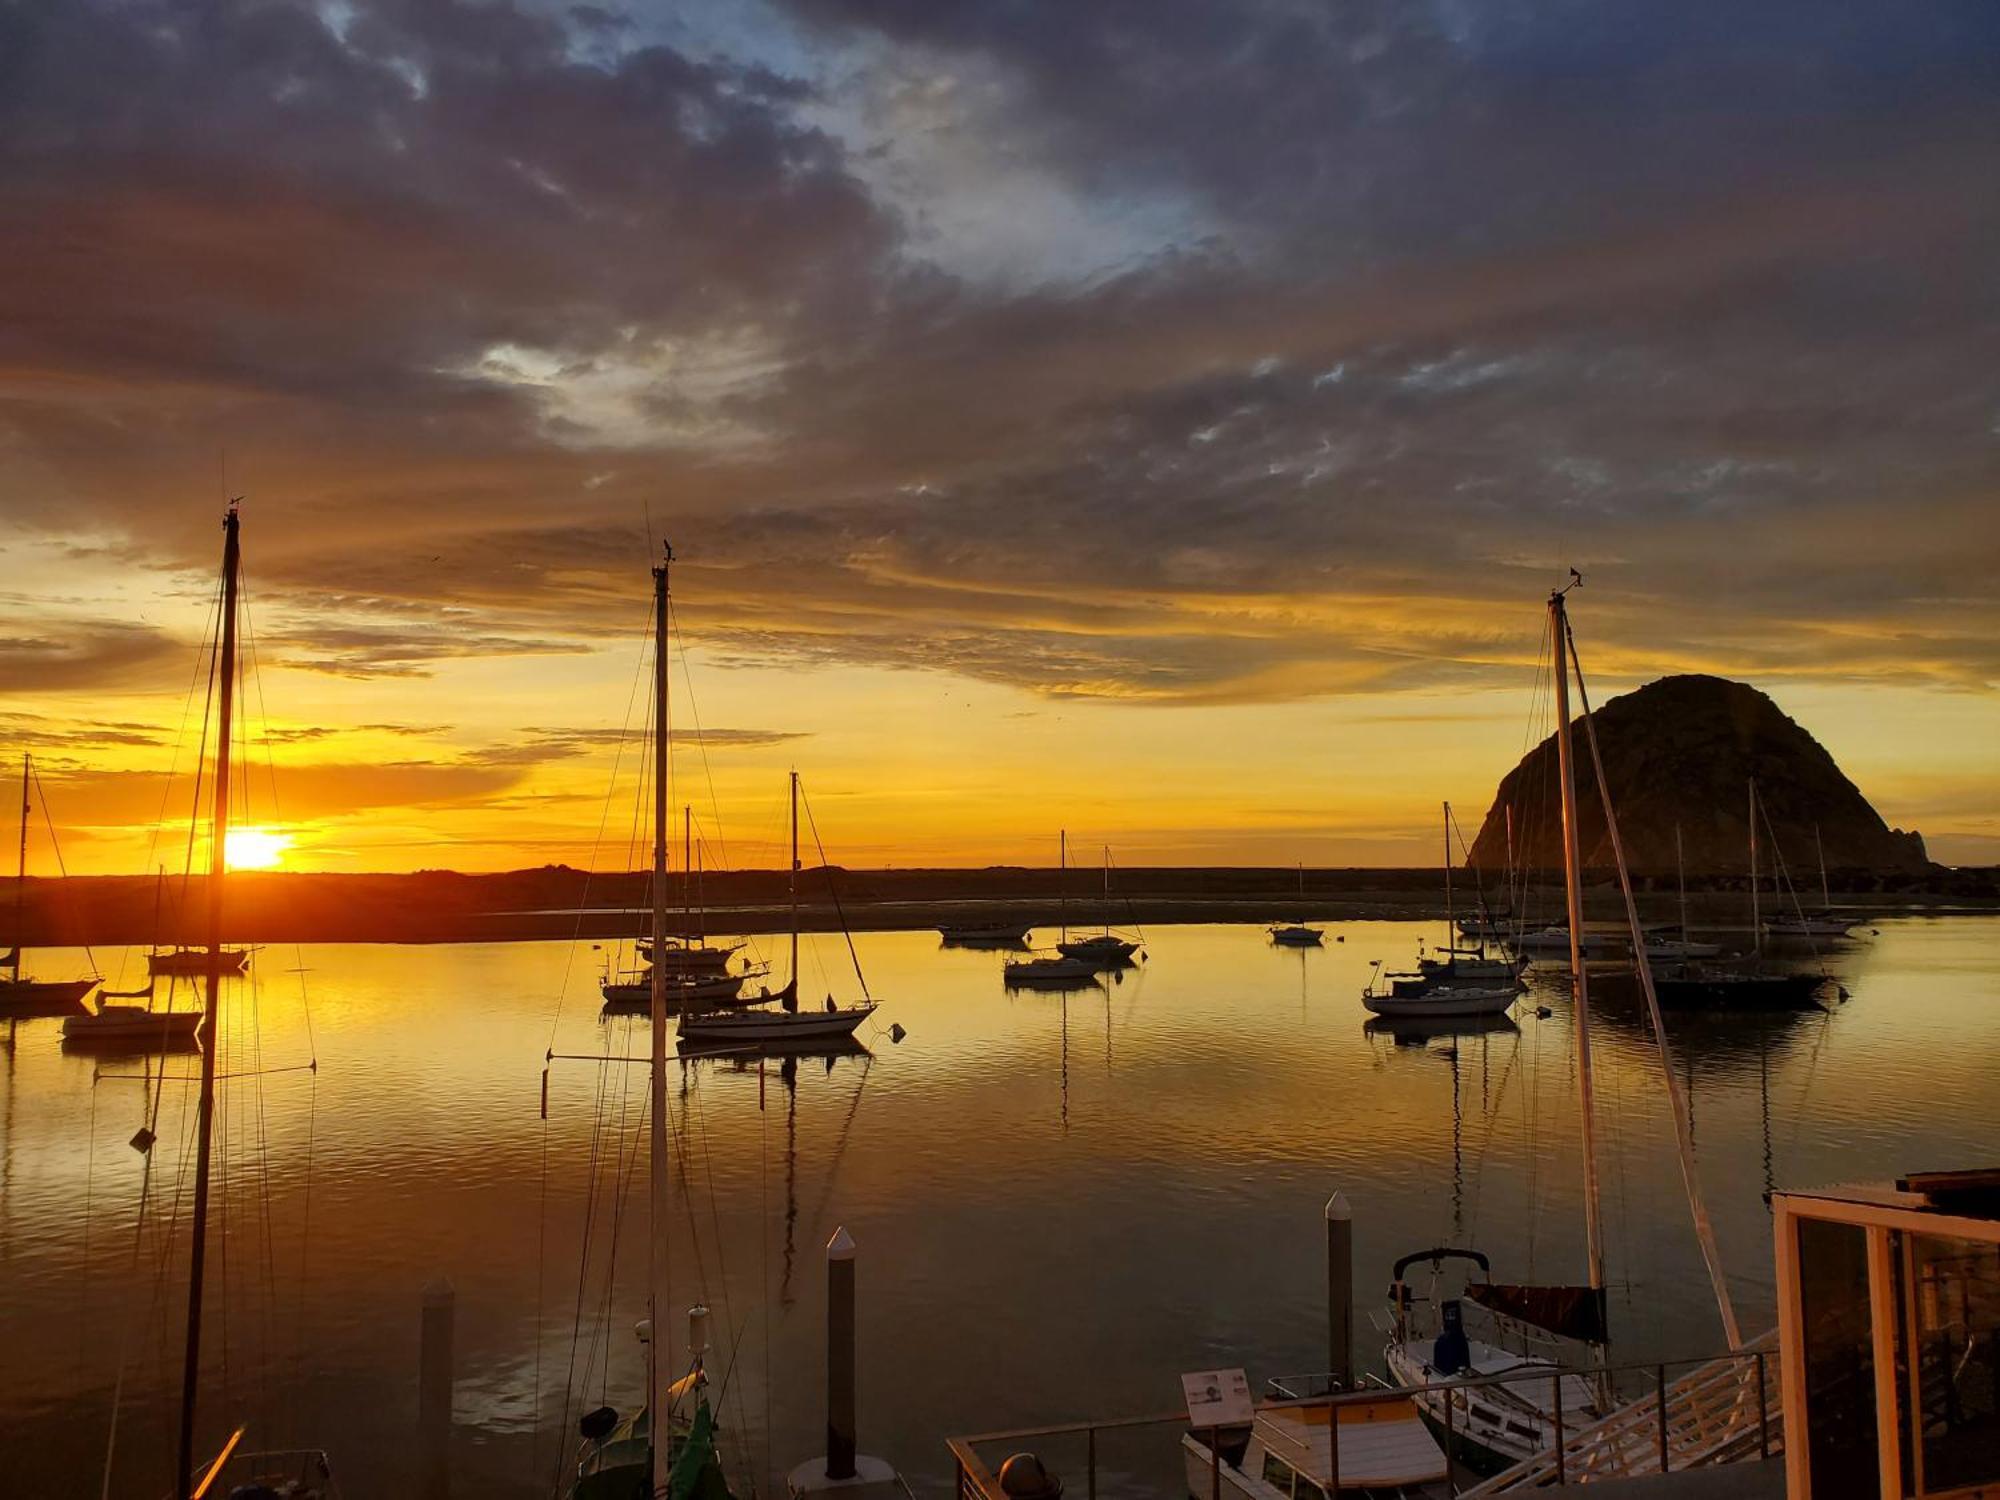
column 1156, row 417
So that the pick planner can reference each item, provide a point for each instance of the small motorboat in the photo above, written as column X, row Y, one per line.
column 691, row 958
column 749, row 1026
column 684, row 991
column 1050, row 973
column 1296, row 935
column 132, row 1026
column 1106, row 950
column 984, row 934
column 192, row 963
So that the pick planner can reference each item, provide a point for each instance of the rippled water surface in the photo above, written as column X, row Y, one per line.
column 1061, row 1202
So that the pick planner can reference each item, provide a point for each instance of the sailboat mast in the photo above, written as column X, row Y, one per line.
column 687, row 873
column 1449, row 940
column 794, row 886
column 1062, row 883
column 1579, row 976
column 1107, row 890
column 21, row 872
column 1681, row 879
column 218, row 842
column 1756, row 920
column 1825, row 895
column 1704, row 1231
column 657, row 1257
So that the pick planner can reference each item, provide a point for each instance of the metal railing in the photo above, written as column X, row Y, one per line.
column 1724, row 1410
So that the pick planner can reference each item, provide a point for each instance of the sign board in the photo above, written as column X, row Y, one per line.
column 1217, row 1398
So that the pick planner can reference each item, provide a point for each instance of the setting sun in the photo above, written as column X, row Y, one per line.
column 255, row 848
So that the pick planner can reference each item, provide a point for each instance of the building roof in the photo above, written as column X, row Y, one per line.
column 1970, row 1194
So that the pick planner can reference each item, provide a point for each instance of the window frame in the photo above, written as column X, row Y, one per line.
column 1889, row 1305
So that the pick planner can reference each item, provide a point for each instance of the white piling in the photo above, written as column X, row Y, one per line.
column 1340, row 1290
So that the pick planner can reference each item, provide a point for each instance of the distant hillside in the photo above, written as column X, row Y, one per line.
column 1682, row 750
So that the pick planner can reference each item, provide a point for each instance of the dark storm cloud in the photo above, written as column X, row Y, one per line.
column 1448, row 297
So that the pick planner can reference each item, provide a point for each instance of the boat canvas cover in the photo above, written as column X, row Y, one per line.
column 1570, row 1312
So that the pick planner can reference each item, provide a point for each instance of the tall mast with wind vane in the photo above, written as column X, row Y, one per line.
column 211, row 1014
column 657, row 1253
column 1579, row 975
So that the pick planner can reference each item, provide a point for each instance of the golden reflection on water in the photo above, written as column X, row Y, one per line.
column 1061, row 1201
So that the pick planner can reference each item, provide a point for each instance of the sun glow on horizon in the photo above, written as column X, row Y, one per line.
column 255, row 848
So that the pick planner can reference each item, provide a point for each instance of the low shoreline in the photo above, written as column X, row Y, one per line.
column 559, row 904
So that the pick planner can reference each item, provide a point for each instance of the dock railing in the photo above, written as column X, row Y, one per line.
column 1725, row 1409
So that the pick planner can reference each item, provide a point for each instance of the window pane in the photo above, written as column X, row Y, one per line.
column 1839, row 1358
column 1958, row 1359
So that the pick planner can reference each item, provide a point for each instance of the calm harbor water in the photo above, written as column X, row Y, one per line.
column 1061, row 1202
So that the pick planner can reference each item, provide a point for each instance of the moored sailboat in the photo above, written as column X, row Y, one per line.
column 762, row 1024
column 1489, row 1426
column 1297, row 934
column 1106, row 949
column 1059, row 970
column 22, row 995
column 639, row 1455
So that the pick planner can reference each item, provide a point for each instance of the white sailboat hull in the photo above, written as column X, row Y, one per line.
column 1451, row 1000
column 1493, row 1426
column 773, row 1025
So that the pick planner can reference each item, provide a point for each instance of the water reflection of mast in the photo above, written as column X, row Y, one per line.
column 788, row 1072
column 1457, row 1149
column 1065, row 1062
column 1764, row 1099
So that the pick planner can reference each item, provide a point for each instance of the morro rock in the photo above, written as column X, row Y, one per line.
column 1683, row 750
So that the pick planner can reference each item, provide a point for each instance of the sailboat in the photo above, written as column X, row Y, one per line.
column 23, row 995
column 228, row 1473
column 1505, row 1423
column 1459, row 964
column 1824, row 923
column 624, row 1458
column 1057, row 971
column 1465, row 982
column 1497, row 1423
column 698, row 976
column 691, row 953
column 788, row 1023
column 192, row 963
column 1106, row 949
column 1297, row 934
column 1738, row 985
column 1672, row 944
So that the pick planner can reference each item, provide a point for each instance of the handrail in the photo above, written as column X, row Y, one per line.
column 1579, row 1452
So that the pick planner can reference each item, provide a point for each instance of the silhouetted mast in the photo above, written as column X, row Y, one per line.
column 21, row 875
column 1579, row 976
column 210, row 1029
column 794, row 879
column 657, row 1257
